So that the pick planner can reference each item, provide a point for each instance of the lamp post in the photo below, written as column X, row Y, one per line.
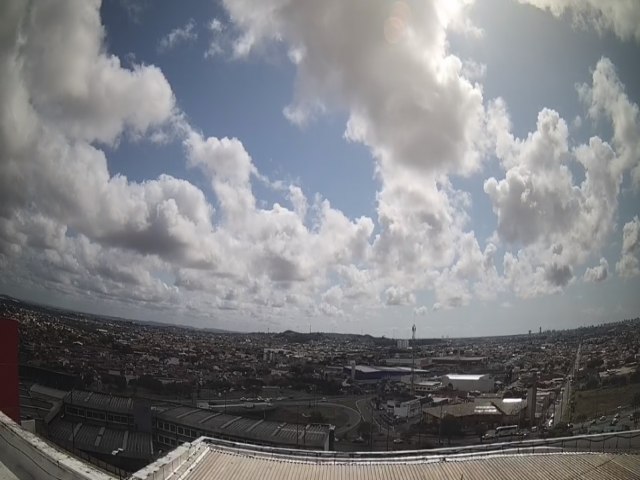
column 297, row 425
column 440, row 427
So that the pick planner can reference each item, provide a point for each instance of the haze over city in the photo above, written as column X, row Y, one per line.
column 470, row 167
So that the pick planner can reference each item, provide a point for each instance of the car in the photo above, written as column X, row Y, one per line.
column 534, row 429
column 358, row 440
column 324, row 399
column 617, row 415
column 603, row 418
column 593, row 422
column 614, row 422
column 398, row 440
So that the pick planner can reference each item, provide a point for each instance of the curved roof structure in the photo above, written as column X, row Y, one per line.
column 212, row 459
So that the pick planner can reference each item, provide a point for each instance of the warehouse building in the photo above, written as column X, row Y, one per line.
column 372, row 374
column 469, row 382
column 177, row 425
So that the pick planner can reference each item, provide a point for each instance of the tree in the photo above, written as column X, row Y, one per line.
column 364, row 429
column 481, row 429
column 316, row 417
column 450, row 426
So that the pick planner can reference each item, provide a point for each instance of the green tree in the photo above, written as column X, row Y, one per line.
column 316, row 417
column 450, row 426
column 364, row 429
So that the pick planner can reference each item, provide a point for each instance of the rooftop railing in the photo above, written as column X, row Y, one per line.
column 614, row 442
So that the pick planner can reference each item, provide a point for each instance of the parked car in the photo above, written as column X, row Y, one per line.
column 603, row 418
column 397, row 440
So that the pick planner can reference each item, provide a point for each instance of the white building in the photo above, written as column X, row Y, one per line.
column 408, row 409
column 469, row 382
column 403, row 343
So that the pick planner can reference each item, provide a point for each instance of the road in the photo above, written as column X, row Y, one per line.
column 353, row 414
column 563, row 412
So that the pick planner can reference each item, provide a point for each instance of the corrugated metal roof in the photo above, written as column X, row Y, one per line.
column 220, row 463
column 271, row 432
column 464, row 376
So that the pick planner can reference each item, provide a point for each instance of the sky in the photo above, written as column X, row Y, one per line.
column 472, row 167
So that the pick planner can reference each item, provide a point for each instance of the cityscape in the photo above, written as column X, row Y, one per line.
column 98, row 385
column 319, row 239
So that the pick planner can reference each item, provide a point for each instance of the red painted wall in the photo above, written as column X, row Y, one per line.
column 9, row 379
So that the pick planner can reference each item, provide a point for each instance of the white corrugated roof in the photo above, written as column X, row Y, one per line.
column 464, row 376
column 222, row 464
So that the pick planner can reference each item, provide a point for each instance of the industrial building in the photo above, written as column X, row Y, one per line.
column 488, row 412
column 129, row 434
column 469, row 382
column 24, row 456
column 107, row 427
column 177, row 425
column 459, row 363
column 372, row 374
column 406, row 409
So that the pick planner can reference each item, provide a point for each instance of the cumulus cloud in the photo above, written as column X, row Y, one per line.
column 620, row 17
column 68, row 224
column 629, row 264
column 179, row 35
column 607, row 100
column 219, row 39
column 398, row 296
column 421, row 310
column 554, row 221
column 389, row 65
column 598, row 273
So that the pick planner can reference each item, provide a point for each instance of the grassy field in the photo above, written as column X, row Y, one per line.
column 603, row 401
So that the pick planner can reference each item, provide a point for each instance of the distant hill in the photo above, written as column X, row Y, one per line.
column 50, row 309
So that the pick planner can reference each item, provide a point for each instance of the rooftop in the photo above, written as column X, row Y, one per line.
column 258, row 430
column 464, row 376
column 100, row 401
column 208, row 459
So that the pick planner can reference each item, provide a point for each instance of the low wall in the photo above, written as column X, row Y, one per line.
column 172, row 461
column 30, row 457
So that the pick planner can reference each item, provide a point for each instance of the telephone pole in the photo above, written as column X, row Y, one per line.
column 413, row 358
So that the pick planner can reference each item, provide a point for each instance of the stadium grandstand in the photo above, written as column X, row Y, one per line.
column 24, row 455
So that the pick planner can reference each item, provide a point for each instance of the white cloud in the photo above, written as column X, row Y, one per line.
column 398, row 296
column 629, row 264
column 69, row 223
column 400, row 95
column 622, row 17
column 606, row 99
column 216, row 25
column 598, row 273
column 421, row 310
column 179, row 35
column 388, row 64
column 555, row 222
column 219, row 39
